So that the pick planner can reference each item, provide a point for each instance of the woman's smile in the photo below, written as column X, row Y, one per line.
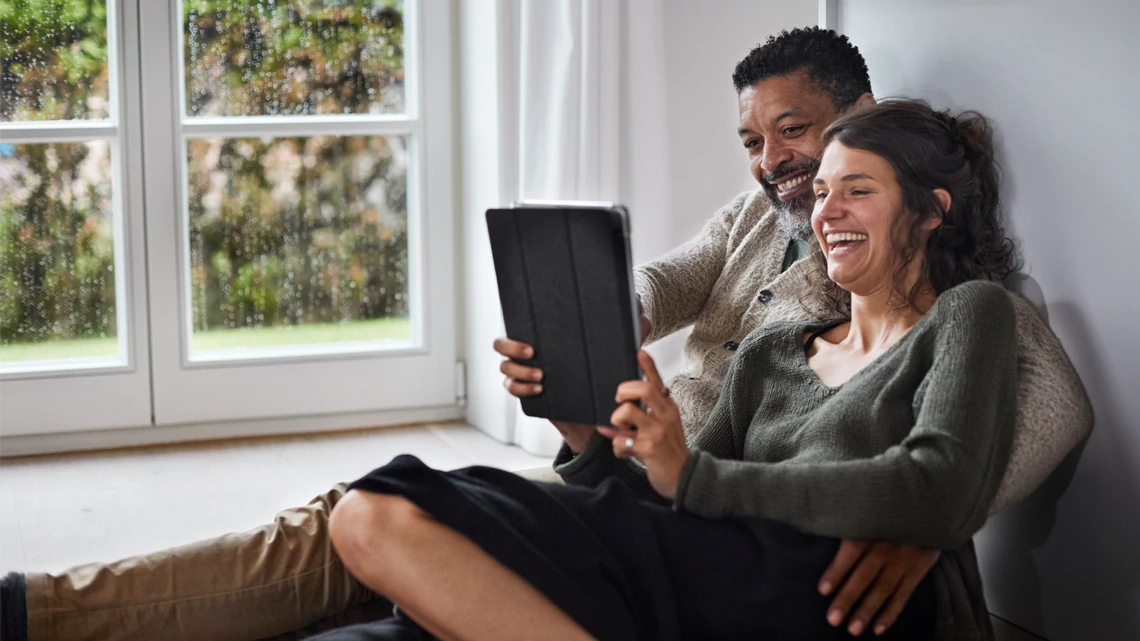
column 841, row 244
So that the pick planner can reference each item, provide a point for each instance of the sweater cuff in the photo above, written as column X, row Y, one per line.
column 699, row 490
column 643, row 287
column 683, row 483
column 575, row 468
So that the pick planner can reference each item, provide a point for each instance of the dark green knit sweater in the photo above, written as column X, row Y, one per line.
column 912, row 448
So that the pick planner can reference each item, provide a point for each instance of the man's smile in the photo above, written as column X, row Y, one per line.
column 791, row 187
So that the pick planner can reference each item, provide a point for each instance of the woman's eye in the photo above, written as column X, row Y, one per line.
column 820, row 195
column 859, row 192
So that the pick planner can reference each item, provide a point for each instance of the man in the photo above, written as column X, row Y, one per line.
column 756, row 262
column 746, row 268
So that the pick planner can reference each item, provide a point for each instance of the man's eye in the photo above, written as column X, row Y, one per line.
column 791, row 131
column 752, row 143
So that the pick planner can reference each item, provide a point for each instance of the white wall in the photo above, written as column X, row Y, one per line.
column 1060, row 80
column 703, row 43
column 707, row 165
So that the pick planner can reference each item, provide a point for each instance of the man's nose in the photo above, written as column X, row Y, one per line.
column 775, row 155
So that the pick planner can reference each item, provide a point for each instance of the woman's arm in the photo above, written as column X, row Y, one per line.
column 934, row 488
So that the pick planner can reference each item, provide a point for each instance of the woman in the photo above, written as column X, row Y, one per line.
column 894, row 421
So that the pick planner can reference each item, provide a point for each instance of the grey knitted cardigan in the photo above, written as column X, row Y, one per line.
column 911, row 448
column 727, row 282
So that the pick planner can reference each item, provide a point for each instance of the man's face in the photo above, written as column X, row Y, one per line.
column 781, row 121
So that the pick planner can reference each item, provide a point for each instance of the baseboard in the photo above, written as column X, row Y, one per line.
column 33, row 444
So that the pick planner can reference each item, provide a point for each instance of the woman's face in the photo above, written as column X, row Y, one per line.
column 858, row 201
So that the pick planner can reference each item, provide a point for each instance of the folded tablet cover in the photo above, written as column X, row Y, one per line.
column 565, row 287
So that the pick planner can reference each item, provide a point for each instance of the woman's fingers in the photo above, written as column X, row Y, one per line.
column 629, row 416
column 625, row 444
column 649, row 368
column 647, row 394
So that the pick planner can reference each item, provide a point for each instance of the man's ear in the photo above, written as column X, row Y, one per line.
column 865, row 100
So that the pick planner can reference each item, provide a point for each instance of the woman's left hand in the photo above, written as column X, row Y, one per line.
column 652, row 435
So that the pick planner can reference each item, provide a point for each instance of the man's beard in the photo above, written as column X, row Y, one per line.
column 793, row 216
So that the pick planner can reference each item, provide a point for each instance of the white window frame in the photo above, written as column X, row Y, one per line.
column 96, row 393
column 325, row 379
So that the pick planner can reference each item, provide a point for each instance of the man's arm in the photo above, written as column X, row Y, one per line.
column 674, row 288
column 1053, row 409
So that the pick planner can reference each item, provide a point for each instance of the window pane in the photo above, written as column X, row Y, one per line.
column 54, row 60
column 293, row 57
column 57, row 255
column 298, row 240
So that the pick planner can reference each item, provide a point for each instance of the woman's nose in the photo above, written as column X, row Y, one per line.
column 828, row 208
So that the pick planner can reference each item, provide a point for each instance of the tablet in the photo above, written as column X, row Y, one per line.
column 566, row 288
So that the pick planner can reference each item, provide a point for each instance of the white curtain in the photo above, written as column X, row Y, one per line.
column 575, row 84
column 569, row 102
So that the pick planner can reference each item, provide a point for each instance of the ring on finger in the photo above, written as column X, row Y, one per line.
column 665, row 391
column 629, row 443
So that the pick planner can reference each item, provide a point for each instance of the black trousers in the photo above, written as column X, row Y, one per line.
column 626, row 569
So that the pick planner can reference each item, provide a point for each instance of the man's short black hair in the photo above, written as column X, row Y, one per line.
column 832, row 62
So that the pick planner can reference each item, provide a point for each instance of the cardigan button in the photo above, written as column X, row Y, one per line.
column 731, row 346
column 765, row 296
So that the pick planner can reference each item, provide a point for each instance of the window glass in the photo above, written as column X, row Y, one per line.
column 293, row 57
column 298, row 240
column 55, row 60
column 57, row 256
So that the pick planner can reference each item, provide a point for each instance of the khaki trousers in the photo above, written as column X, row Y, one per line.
column 281, row 581
column 278, row 582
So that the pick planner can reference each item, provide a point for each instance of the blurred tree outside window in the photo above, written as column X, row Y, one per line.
column 57, row 259
column 294, row 239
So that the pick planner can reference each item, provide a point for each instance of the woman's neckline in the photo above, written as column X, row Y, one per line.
column 802, row 357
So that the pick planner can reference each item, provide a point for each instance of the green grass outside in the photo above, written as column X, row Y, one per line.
column 221, row 339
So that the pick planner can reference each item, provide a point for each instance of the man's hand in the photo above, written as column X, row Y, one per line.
column 883, row 570
column 521, row 381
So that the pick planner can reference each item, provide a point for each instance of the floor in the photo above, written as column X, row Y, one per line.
column 59, row 511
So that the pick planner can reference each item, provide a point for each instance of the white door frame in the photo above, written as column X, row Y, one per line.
column 420, row 376
column 72, row 398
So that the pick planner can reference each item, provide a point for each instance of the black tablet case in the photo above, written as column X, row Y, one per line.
column 564, row 286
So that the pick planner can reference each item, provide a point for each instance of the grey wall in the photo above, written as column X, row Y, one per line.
column 1062, row 80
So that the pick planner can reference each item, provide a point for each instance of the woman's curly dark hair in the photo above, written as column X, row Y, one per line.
column 930, row 150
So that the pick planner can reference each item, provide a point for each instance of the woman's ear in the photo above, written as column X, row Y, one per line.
column 944, row 201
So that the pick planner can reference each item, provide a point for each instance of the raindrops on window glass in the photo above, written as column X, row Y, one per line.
column 57, row 247
column 57, row 254
column 293, row 57
column 304, row 239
